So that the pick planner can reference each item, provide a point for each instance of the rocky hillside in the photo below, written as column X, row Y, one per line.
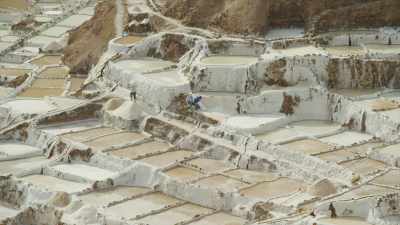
column 257, row 16
column 88, row 42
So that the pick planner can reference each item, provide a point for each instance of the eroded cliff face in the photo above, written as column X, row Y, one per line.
column 257, row 16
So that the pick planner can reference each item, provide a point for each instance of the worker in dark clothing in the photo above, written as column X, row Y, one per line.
column 133, row 96
column 194, row 101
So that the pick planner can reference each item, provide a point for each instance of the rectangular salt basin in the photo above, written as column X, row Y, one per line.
column 114, row 139
column 251, row 176
column 17, row 149
column 221, row 182
column 337, row 156
column 75, row 126
column 175, row 215
column 41, row 92
column 47, row 60
column 48, row 83
column 343, row 221
column 273, row 189
column 55, row 31
column 220, row 219
column 74, row 21
column 364, row 166
column 364, row 191
column 41, row 41
column 167, row 158
column 14, row 71
column 20, row 165
column 104, row 197
column 59, row 72
column 7, row 212
column 149, row 148
column 392, row 178
column 347, row 138
column 308, row 146
column 315, row 127
column 76, row 83
column 278, row 135
column 90, row 173
column 183, row 174
column 84, row 135
column 55, row 184
column 209, row 165
column 139, row 206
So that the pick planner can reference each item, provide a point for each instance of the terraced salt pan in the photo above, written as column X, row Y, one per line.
column 88, row 134
column 364, row 166
column 343, row 221
column 220, row 219
column 28, row 106
column 55, row 184
column 59, row 72
column 337, row 156
column 87, row 172
column 5, row 45
column 114, row 139
column 393, row 115
column 139, row 206
column 17, row 149
column 41, row 41
column 304, row 128
column 364, row 191
column 47, row 60
column 221, row 183
column 87, row 11
column 347, row 138
column 383, row 49
column 20, row 165
column 309, row 146
column 251, row 176
column 183, row 173
column 356, row 92
column 281, row 187
column 41, row 92
column 128, row 40
column 13, row 72
column 142, row 65
column 175, row 215
column 363, row 149
column 169, row 78
column 297, row 51
column 105, row 197
column 7, row 212
column 229, row 60
column 345, row 51
column 76, row 83
column 252, row 123
column 141, row 150
column 76, row 126
column 55, row 31
column 209, row 165
column 167, row 158
column 392, row 178
column 74, row 21
column 315, row 127
column 48, row 83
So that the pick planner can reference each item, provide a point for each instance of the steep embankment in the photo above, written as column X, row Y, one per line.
column 257, row 16
column 88, row 42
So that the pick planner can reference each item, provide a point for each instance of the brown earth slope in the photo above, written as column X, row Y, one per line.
column 257, row 16
column 89, row 41
column 22, row 5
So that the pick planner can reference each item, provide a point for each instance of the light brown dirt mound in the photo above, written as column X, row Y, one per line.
column 88, row 42
column 257, row 16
